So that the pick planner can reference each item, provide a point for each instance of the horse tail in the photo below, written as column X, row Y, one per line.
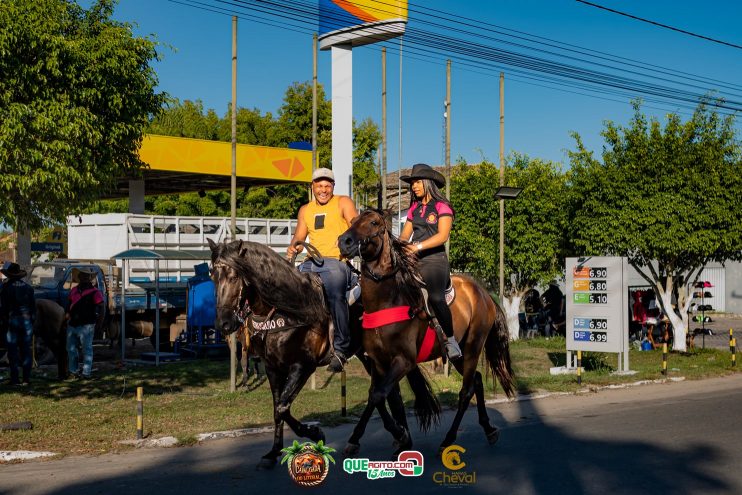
column 497, row 352
column 427, row 407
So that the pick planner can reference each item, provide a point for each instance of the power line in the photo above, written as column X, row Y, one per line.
column 578, row 72
column 659, row 24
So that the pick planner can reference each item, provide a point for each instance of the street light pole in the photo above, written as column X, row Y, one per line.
column 233, row 190
column 502, row 183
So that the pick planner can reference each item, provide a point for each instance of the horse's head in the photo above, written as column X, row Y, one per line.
column 231, row 296
column 365, row 237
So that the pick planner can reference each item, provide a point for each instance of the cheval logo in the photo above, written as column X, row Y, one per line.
column 408, row 463
column 308, row 463
column 268, row 324
column 452, row 460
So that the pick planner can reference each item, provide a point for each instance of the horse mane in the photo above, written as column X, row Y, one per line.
column 408, row 278
column 278, row 283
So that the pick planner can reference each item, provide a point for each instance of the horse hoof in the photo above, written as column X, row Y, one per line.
column 266, row 464
column 404, row 442
column 493, row 436
column 351, row 449
column 316, row 434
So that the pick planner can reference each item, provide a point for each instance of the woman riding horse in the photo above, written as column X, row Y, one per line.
column 429, row 222
column 288, row 324
column 397, row 333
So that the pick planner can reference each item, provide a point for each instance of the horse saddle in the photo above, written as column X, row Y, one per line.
column 449, row 294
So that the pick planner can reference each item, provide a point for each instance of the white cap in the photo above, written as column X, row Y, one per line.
column 323, row 173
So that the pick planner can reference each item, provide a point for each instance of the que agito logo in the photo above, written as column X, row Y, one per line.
column 308, row 463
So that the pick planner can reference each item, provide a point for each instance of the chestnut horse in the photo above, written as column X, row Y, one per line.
column 396, row 324
column 289, row 329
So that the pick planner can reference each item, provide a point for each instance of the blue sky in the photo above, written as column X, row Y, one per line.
column 537, row 120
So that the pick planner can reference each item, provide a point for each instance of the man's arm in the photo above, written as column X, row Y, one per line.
column 348, row 209
column 299, row 235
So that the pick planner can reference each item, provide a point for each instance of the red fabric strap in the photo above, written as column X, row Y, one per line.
column 427, row 347
column 386, row 317
column 395, row 315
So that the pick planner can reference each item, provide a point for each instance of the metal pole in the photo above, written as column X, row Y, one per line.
column 399, row 173
column 232, row 337
column 314, row 102
column 122, row 330
column 383, row 128
column 664, row 358
column 448, row 134
column 140, row 413
column 157, row 313
column 502, row 183
column 447, row 106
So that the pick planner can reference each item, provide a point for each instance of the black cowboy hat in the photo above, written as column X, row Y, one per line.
column 423, row 171
column 82, row 271
column 13, row 270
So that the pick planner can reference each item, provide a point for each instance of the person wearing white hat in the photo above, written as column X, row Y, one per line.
column 323, row 220
column 18, row 308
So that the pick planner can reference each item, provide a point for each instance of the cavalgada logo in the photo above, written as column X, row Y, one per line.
column 452, row 460
column 308, row 462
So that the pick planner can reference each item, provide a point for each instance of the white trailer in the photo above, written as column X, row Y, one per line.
column 102, row 236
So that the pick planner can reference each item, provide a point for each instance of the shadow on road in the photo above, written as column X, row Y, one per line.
column 538, row 453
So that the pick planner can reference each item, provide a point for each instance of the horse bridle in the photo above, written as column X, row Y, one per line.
column 243, row 309
column 365, row 242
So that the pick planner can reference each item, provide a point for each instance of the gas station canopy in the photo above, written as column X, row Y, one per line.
column 179, row 165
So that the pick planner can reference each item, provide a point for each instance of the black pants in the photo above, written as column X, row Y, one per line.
column 435, row 271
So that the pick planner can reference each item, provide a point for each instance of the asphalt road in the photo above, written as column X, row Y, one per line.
column 672, row 438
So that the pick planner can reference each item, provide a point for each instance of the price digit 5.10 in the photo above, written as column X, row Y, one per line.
column 598, row 298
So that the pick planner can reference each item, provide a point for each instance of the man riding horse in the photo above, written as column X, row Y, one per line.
column 323, row 219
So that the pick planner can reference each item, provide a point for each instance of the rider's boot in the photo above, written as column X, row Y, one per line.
column 453, row 351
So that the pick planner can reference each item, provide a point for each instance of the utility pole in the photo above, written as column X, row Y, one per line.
column 233, row 190
column 502, row 183
column 447, row 106
column 314, row 102
column 383, row 128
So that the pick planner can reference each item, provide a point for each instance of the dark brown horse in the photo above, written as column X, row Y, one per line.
column 50, row 324
column 289, row 329
column 391, row 285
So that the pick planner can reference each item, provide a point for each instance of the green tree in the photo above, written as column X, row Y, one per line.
column 665, row 198
column 366, row 140
column 76, row 92
column 186, row 119
column 535, row 224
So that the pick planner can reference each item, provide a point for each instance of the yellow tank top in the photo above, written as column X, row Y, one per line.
column 325, row 224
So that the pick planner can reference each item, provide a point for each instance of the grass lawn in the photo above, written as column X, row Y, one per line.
column 187, row 398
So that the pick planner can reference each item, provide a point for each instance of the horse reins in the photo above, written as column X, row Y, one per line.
column 365, row 242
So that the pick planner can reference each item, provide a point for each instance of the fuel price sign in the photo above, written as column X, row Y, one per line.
column 597, row 304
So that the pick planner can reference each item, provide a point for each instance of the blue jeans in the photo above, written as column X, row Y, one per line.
column 19, row 337
column 83, row 336
column 336, row 277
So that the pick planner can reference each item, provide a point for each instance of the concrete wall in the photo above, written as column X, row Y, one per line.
column 733, row 291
